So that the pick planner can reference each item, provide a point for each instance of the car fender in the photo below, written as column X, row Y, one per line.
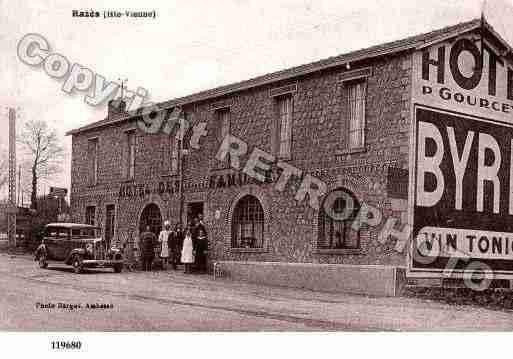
column 115, row 253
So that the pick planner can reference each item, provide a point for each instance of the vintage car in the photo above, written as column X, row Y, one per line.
column 79, row 245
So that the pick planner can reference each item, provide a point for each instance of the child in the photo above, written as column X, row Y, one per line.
column 187, row 252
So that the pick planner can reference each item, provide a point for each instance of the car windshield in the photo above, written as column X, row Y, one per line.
column 84, row 232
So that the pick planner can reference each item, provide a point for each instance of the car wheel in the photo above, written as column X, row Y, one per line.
column 42, row 261
column 118, row 268
column 77, row 265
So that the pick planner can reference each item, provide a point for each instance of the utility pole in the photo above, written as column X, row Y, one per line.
column 19, row 185
column 180, row 167
column 11, row 215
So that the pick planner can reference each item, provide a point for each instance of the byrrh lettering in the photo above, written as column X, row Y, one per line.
column 487, row 164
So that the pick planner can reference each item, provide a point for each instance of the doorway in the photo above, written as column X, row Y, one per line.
column 151, row 216
column 193, row 210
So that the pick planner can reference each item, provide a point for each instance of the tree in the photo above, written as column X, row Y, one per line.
column 45, row 151
column 49, row 207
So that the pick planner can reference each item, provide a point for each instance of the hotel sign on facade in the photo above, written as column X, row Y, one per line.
column 144, row 189
column 461, row 165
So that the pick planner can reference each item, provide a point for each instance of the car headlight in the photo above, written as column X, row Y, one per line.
column 89, row 247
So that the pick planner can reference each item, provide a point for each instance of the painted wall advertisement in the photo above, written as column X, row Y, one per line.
column 461, row 187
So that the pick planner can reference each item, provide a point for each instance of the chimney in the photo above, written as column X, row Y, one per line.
column 116, row 108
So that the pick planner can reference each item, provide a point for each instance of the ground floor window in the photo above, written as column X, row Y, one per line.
column 248, row 223
column 336, row 217
column 90, row 215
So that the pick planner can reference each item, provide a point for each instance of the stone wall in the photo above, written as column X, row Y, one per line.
column 318, row 148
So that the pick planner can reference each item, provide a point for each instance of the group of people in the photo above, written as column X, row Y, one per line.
column 176, row 246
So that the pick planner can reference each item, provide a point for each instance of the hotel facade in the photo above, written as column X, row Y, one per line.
column 350, row 122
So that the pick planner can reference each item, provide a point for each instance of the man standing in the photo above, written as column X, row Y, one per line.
column 148, row 240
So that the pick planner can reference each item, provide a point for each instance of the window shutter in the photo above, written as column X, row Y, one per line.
column 89, row 175
column 219, row 125
column 364, row 116
column 275, row 129
column 134, row 159
column 173, row 153
column 222, row 129
column 355, row 96
column 228, row 124
column 91, row 158
column 282, row 145
column 288, row 127
column 124, row 156
column 165, row 153
column 344, row 113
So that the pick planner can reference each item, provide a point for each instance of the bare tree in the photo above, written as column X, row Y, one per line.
column 45, row 150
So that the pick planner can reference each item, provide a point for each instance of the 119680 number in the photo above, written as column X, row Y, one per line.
column 66, row 345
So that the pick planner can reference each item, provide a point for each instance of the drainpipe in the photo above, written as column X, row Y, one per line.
column 180, row 165
column 180, row 172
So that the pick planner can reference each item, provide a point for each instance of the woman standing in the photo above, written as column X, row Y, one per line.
column 164, row 244
column 187, row 252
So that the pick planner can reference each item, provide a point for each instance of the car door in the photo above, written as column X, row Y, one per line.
column 51, row 241
column 61, row 243
column 71, row 243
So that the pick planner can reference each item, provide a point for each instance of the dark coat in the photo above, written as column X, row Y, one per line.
column 148, row 244
column 178, row 239
column 201, row 243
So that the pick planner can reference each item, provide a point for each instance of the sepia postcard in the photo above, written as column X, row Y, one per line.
column 304, row 168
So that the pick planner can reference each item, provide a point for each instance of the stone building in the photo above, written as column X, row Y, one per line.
column 345, row 121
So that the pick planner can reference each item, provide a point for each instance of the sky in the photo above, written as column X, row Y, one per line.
column 196, row 45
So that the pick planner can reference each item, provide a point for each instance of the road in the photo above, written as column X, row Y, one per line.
column 173, row 301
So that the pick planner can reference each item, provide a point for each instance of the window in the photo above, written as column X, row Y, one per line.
column 248, row 224
column 356, row 113
column 170, row 147
column 174, row 144
column 284, row 125
column 130, row 158
column 92, row 154
column 223, row 118
column 336, row 217
column 90, row 215
column 84, row 233
column 57, row 232
column 223, row 125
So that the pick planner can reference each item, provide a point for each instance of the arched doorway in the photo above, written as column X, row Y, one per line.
column 336, row 216
column 151, row 216
column 248, row 223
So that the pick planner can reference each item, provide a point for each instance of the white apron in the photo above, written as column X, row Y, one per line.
column 164, row 251
column 187, row 256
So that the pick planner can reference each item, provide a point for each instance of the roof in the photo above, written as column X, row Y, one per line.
column 406, row 44
column 70, row 225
